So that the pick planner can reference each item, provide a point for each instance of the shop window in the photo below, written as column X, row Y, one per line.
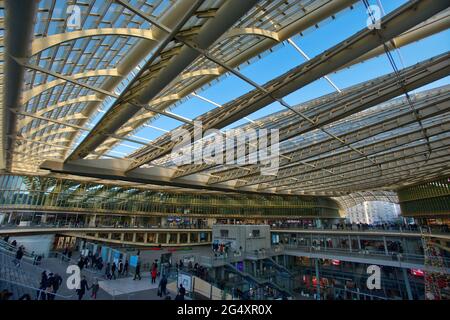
column 128, row 237
column 151, row 238
column 162, row 238
column 183, row 238
column 172, row 238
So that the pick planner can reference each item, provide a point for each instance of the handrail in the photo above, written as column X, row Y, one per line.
column 71, row 260
column 36, row 289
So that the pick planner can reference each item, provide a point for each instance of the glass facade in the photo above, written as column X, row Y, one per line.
column 48, row 193
column 427, row 199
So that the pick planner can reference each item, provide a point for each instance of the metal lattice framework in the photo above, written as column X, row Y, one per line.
column 136, row 61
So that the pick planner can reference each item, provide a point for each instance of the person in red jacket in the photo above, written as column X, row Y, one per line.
column 154, row 272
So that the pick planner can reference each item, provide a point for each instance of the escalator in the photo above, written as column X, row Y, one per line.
column 258, row 282
column 279, row 267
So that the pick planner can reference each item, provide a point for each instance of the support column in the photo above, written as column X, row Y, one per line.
column 359, row 242
column 407, row 284
column 316, row 262
column 178, row 238
column 92, row 221
column 188, row 237
column 134, row 237
column 350, row 243
column 386, row 252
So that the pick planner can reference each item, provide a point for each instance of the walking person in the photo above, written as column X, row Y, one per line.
column 42, row 286
column 108, row 271
column 154, row 273
column 95, row 287
column 19, row 256
column 138, row 271
column 120, row 269
column 125, row 268
column 55, row 283
column 83, row 288
column 113, row 270
column 163, row 286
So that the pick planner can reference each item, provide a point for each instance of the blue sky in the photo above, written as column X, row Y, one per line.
column 285, row 57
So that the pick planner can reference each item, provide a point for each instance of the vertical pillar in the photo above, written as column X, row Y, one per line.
column 134, row 237
column 44, row 218
column 157, row 238
column 407, row 284
column 359, row 243
column 350, row 242
column 167, row 238
column 188, row 237
column 178, row 238
column 386, row 252
column 92, row 221
column 122, row 236
column 109, row 236
column 145, row 237
column 316, row 261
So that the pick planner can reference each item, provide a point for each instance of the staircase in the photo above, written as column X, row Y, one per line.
column 257, row 281
column 278, row 266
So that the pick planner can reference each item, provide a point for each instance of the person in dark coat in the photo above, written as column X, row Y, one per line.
column 55, row 282
column 113, row 270
column 43, row 286
column 95, row 287
column 181, row 293
column 83, row 288
column 108, row 271
column 163, row 285
column 138, row 271
column 125, row 268
column 19, row 256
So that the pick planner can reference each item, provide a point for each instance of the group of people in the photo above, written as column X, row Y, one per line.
column 93, row 261
column 49, row 285
column 113, row 271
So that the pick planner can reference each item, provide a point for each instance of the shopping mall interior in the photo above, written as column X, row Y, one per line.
column 225, row 150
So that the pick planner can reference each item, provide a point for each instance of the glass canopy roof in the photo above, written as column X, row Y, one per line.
column 105, row 84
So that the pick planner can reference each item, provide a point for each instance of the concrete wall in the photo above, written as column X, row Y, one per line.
column 242, row 236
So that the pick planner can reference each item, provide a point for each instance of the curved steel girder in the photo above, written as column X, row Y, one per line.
column 77, row 116
column 317, row 12
column 361, row 171
column 297, row 157
column 143, row 48
column 395, row 179
column 42, row 127
column 20, row 16
column 43, row 43
column 433, row 25
column 350, row 101
column 22, row 123
column 346, row 156
column 29, row 94
column 55, row 132
column 236, row 32
column 120, row 113
column 399, row 21
column 353, row 199
column 198, row 73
